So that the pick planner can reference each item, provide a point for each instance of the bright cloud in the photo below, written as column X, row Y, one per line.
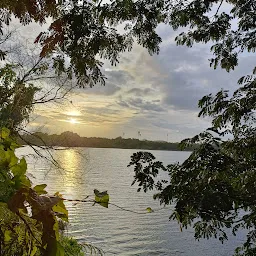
column 156, row 95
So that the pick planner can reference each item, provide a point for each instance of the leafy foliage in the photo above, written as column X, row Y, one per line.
column 214, row 189
column 26, row 11
column 83, row 33
column 215, row 185
column 217, row 27
column 73, row 248
column 29, row 217
column 89, row 26
column 16, row 98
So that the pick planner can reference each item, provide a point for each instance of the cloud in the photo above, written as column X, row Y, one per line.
column 108, row 90
column 180, row 76
column 141, row 105
column 145, row 105
column 140, row 92
column 120, row 77
column 155, row 95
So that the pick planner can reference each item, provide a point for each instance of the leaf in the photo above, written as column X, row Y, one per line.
column 149, row 210
column 4, row 133
column 14, row 145
column 55, row 249
column 60, row 208
column 60, row 250
column 33, row 252
column 40, row 189
column 21, row 181
column 101, row 198
column 7, row 236
column 12, row 159
column 20, row 168
column 56, row 229
column 23, row 165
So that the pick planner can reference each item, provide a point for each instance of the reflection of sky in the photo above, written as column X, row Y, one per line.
column 156, row 95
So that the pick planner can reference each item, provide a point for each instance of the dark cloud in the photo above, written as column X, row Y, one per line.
column 107, row 90
column 120, row 77
column 140, row 92
column 123, row 104
column 142, row 105
column 115, row 80
column 187, row 76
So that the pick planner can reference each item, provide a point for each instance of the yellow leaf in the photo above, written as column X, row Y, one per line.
column 4, row 133
column 7, row 236
column 33, row 252
column 101, row 198
column 149, row 210
column 40, row 189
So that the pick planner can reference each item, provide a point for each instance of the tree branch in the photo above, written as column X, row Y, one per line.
column 120, row 207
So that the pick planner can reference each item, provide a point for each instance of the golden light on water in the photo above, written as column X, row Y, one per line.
column 70, row 166
column 71, row 161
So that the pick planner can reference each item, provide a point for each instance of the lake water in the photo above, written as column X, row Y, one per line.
column 116, row 231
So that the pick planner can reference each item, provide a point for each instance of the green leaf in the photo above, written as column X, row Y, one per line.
column 4, row 133
column 7, row 236
column 23, row 165
column 56, row 249
column 60, row 208
column 60, row 250
column 11, row 158
column 40, row 189
column 56, row 229
column 21, row 181
column 20, row 168
column 33, row 252
column 149, row 210
column 14, row 145
column 101, row 198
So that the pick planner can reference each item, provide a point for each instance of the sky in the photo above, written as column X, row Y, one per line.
column 154, row 95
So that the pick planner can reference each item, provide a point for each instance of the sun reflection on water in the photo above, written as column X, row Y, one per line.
column 71, row 162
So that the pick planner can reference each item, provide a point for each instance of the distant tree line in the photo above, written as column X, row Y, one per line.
column 70, row 139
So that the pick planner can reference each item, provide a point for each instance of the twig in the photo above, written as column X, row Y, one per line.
column 120, row 207
column 219, row 7
column 27, row 225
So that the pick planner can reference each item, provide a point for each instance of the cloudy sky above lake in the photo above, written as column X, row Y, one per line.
column 156, row 95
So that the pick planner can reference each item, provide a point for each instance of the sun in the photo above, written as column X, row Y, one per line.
column 73, row 121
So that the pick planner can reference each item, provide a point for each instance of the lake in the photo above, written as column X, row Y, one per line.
column 116, row 231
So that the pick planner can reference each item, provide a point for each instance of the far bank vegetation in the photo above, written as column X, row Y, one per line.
column 70, row 139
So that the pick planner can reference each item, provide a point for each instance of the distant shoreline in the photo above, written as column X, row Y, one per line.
column 70, row 139
column 70, row 147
